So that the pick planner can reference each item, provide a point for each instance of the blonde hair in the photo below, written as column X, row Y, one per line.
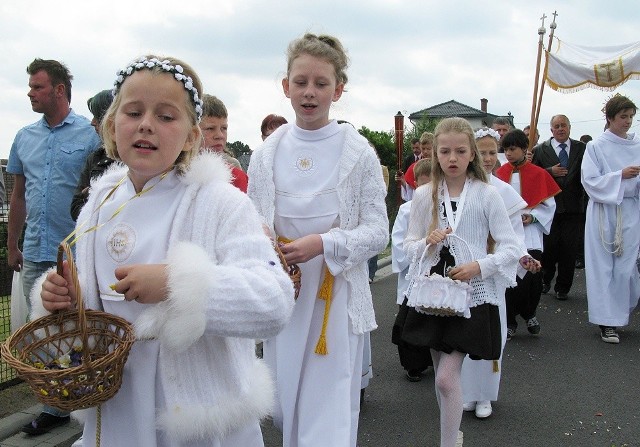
column 422, row 167
column 108, row 123
column 427, row 137
column 213, row 106
column 324, row 47
column 474, row 169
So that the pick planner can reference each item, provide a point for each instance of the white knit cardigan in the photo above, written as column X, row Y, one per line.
column 363, row 215
column 484, row 213
column 226, row 288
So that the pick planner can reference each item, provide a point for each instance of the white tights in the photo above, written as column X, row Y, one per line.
column 447, row 368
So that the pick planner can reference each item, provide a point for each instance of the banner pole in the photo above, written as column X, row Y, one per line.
column 552, row 27
column 399, row 137
column 541, row 32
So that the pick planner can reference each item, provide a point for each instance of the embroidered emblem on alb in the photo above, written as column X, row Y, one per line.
column 304, row 164
column 121, row 241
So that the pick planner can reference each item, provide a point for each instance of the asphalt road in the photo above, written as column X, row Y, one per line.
column 564, row 387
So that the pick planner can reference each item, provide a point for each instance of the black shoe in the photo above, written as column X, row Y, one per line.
column 579, row 264
column 609, row 335
column 414, row 376
column 533, row 326
column 562, row 296
column 44, row 423
column 546, row 287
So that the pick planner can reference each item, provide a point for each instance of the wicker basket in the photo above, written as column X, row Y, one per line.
column 104, row 341
column 292, row 270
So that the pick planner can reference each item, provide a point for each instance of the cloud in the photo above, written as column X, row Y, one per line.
column 405, row 55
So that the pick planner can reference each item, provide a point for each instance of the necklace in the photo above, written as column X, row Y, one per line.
column 76, row 234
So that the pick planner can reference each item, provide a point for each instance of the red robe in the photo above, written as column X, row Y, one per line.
column 535, row 183
column 240, row 179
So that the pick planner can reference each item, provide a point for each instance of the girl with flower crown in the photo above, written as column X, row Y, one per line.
column 454, row 217
column 318, row 186
column 167, row 243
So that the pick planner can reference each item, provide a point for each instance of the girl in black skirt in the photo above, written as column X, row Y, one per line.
column 485, row 253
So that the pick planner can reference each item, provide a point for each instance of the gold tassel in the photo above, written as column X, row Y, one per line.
column 496, row 366
column 325, row 292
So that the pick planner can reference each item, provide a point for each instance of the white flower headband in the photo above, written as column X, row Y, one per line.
column 177, row 71
column 486, row 132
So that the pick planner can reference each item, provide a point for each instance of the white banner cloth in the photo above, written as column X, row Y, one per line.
column 574, row 67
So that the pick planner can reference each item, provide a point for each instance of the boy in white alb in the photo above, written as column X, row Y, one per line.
column 412, row 358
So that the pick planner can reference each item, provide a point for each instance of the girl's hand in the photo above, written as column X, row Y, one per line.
column 465, row 272
column 58, row 292
column 144, row 283
column 437, row 236
column 530, row 264
column 303, row 249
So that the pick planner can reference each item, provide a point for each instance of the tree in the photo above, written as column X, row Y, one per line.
column 238, row 148
column 383, row 143
column 426, row 124
column 241, row 152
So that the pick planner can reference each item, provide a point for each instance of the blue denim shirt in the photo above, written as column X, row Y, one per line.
column 51, row 159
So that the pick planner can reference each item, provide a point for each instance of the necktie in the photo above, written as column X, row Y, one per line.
column 563, row 156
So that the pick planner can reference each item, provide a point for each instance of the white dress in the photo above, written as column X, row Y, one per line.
column 400, row 260
column 314, row 391
column 480, row 381
column 613, row 282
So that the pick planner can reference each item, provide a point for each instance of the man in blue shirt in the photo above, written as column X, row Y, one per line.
column 46, row 159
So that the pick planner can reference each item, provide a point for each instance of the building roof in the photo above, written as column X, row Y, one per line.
column 451, row 108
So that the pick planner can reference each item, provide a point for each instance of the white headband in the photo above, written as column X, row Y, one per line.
column 486, row 132
column 177, row 71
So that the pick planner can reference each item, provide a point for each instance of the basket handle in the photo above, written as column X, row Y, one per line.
column 281, row 256
column 65, row 250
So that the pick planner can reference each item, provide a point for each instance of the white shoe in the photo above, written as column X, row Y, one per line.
column 483, row 409
column 469, row 406
column 78, row 442
column 459, row 439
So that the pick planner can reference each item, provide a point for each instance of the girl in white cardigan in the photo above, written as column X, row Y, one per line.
column 167, row 243
column 460, row 201
column 319, row 188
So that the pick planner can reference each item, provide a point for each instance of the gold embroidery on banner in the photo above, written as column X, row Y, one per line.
column 609, row 74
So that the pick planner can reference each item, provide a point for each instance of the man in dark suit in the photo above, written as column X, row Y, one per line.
column 413, row 157
column 562, row 158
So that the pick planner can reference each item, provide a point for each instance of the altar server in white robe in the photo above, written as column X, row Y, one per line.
column 610, row 171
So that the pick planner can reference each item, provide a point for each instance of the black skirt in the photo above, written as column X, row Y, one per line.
column 479, row 336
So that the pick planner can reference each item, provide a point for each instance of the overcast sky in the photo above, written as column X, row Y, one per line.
column 405, row 55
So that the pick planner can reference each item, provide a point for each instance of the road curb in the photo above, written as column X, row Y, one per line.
column 11, row 436
column 11, row 424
